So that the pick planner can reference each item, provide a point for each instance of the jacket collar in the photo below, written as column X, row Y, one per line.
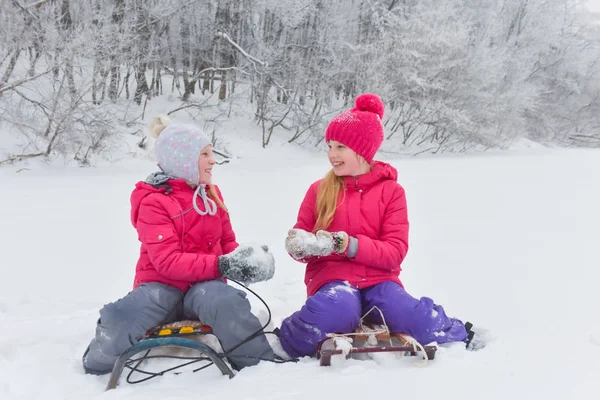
column 380, row 171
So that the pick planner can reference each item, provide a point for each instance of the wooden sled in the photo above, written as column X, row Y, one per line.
column 371, row 339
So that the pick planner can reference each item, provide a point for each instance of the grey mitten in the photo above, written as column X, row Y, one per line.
column 248, row 264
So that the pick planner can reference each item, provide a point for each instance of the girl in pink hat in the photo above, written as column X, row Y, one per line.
column 352, row 233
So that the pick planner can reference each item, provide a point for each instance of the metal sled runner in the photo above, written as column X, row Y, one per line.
column 178, row 334
column 371, row 339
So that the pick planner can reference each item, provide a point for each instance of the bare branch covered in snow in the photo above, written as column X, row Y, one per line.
column 19, row 82
column 237, row 46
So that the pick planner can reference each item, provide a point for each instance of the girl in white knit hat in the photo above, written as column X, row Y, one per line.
column 188, row 249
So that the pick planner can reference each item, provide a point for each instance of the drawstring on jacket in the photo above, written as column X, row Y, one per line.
column 159, row 180
column 209, row 204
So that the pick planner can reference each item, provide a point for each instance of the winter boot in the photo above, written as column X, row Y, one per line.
column 475, row 340
column 275, row 342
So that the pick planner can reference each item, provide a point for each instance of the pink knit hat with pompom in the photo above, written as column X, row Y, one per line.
column 361, row 128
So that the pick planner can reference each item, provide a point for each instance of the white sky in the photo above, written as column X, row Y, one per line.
column 594, row 5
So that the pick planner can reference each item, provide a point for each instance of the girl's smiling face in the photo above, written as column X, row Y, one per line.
column 205, row 165
column 345, row 161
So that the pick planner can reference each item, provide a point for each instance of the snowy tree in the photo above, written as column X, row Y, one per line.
column 454, row 75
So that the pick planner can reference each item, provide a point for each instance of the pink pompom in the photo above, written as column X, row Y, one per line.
column 371, row 103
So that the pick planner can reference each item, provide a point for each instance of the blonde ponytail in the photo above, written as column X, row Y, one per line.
column 212, row 193
column 327, row 196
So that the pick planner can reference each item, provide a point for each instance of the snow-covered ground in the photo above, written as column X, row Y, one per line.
column 507, row 241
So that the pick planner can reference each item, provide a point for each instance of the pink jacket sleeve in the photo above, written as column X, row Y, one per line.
column 307, row 213
column 392, row 245
column 157, row 232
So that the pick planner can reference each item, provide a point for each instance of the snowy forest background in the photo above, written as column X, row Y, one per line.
column 455, row 75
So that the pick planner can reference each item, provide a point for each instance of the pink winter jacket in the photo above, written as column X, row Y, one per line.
column 179, row 246
column 372, row 208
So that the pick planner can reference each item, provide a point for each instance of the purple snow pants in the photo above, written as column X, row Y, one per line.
column 337, row 308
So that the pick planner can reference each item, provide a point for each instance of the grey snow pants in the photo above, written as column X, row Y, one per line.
column 223, row 307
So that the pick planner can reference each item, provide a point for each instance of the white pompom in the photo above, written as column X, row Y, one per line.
column 157, row 124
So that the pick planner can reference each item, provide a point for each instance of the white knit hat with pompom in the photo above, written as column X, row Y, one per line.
column 178, row 147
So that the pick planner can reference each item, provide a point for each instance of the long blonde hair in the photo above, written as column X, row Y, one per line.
column 327, row 196
column 212, row 193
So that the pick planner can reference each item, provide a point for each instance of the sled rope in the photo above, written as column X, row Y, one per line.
column 416, row 347
column 365, row 327
column 406, row 338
